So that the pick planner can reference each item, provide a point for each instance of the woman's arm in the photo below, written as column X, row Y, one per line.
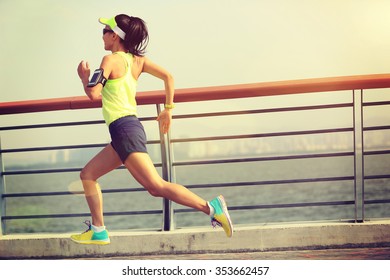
column 84, row 72
column 165, row 116
column 161, row 73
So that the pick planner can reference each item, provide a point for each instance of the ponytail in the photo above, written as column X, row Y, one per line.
column 137, row 37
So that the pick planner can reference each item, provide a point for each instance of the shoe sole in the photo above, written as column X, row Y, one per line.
column 92, row 242
column 221, row 200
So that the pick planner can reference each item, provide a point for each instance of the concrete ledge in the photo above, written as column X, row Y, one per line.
column 202, row 240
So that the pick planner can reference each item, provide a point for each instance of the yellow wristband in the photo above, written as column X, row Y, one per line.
column 169, row 106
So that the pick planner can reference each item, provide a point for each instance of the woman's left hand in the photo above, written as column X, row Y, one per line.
column 164, row 119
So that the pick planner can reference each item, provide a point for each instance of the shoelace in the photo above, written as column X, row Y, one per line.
column 215, row 223
column 88, row 224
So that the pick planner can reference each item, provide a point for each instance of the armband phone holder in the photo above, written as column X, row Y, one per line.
column 97, row 77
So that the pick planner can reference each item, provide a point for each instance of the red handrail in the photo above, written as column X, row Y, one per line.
column 210, row 93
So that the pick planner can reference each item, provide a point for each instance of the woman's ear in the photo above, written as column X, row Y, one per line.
column 115, row 36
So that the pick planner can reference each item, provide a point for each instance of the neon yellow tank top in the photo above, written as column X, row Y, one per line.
column 118, row 95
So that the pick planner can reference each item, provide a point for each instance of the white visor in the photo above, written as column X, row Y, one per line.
column 114, row 26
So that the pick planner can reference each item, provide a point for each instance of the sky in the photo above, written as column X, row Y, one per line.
column 202, row 43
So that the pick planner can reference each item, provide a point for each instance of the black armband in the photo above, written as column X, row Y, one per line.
column 97, row 77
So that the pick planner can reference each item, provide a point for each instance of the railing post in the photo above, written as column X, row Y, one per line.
column 358, row 154
column 168, row 222
column 2, row 191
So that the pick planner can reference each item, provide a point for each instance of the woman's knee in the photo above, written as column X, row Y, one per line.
column 154, row 193
column 86, row 174
column 156, row 188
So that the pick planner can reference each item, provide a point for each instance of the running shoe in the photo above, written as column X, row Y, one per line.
column 221, row 216
column 91, row 237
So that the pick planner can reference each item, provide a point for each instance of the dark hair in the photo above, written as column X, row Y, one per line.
column 137, row 36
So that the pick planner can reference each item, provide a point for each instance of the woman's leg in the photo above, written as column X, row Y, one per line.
column 141, row 167
column 105, row 161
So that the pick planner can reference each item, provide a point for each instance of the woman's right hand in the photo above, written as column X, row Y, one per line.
column 84, row 71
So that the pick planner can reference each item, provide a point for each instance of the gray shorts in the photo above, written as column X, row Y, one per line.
column 127, row 136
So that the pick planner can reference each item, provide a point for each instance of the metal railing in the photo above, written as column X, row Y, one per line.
column 357, row 153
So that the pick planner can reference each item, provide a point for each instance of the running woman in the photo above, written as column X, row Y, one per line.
column 115, row 82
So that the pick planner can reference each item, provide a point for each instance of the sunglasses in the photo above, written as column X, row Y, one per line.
column 107, row 30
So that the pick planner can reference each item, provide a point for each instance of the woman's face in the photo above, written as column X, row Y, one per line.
column 107, row 37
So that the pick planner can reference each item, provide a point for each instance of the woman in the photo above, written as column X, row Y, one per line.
column 126, row 38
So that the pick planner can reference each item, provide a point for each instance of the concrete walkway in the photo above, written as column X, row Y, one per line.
column 328, row 254
column 280, row 241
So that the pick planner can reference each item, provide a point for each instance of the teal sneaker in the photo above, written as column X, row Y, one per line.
column 221, row 216
column 91, row 237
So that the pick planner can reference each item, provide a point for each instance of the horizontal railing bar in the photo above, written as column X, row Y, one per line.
column 260, row 135
column 41, row 171
column 378, row 152
column 211, row 93
column 236, row 184
column 373, row 177
column 272, row 110
column 292, row 205
column 278, row 206
column 52, row 148
column 376, row 103
column 241, row 160
column 263, row 135
column 232, row 208
column 47, row 216
column 50, row 125
column 271, row 182
column 38, row 194
column 28, row 217
column 262, row 111
column 48, row 171
column 130, row 213
column 66, row 147
column 381, row 127
column 377, row 201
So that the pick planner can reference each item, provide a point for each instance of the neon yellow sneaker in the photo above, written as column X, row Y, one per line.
column 91, row 237
column 221, row 216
